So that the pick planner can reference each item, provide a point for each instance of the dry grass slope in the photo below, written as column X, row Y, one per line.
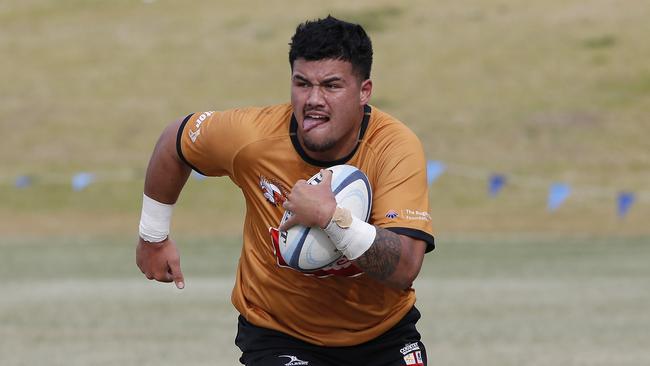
column 554, row 91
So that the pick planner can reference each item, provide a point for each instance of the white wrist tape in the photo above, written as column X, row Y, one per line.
column 154, row 220
column 354, row 240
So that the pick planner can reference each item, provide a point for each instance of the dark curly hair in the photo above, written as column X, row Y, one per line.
column 331, row 38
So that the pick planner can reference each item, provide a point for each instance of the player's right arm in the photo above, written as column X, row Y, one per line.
column 165, row 178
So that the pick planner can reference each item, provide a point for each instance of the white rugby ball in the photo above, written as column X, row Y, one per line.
column 309, row 248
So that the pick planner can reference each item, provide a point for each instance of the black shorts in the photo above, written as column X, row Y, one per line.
column 400, row 345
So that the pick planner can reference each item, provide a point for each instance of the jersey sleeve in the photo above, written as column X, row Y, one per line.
column 401, row 193
column 209, row 141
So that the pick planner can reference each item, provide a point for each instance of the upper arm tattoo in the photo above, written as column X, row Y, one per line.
column 381, row 259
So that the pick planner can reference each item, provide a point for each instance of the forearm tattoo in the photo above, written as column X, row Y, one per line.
column 381, row 259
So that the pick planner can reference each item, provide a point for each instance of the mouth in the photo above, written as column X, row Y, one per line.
column 312, row 120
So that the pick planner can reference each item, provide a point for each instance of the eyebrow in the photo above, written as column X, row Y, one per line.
column 298, row 77
column 326, row 81
column 331, row 79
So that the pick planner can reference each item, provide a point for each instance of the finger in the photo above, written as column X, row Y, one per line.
column 291, row 222
column 327, row 177
column 177, row 274
column 299, row 186
column 287, row 205
column 165, row 277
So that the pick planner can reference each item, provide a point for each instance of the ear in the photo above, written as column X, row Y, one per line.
column 366, row 91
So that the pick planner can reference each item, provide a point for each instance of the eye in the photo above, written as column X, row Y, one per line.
column 300, row 83
column 332, row 86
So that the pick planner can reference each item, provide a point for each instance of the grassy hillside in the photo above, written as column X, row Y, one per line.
column 541, row 91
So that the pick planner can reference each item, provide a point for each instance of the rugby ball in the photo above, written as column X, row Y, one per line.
column 309, row 248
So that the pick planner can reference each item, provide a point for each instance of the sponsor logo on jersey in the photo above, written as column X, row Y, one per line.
column 294, row 361
column 410, row 347
column 392, row 214
column 194, row 135
column 273, row 191
column 202, row 118
column 410, row 214
column 197, row 125
column 418, row 358
column 414, row 359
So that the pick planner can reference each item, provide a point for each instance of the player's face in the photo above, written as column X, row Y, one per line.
column 328, row 100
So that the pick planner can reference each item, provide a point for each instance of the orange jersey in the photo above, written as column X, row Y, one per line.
column 259, row 150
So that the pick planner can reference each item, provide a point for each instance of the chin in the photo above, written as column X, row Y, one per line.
column 318, row 146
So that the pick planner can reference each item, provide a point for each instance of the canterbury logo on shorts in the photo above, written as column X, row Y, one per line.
column 294, row 361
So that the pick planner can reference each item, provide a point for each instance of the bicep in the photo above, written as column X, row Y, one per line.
column 166, row 172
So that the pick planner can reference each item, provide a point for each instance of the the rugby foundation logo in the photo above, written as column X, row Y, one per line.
column 392, row 214
column 412, row 354
column 408, row 214
column 294, row 361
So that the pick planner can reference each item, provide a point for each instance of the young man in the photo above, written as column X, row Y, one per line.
column 359, row 311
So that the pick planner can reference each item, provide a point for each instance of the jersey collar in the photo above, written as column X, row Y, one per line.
column 293, row 128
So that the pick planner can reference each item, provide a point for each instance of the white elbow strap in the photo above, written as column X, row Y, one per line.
column 354, row 237
column 154, row 220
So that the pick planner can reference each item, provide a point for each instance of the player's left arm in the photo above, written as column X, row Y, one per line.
column 393, row 259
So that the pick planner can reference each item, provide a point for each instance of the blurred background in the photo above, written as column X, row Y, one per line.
column 533, row 115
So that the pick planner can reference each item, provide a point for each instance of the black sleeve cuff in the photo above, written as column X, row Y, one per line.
column 416, row 234
column 179, row 150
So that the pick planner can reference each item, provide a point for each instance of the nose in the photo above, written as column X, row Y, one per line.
column 315, row 97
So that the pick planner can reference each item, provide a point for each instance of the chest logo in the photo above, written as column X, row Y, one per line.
column 272, row 191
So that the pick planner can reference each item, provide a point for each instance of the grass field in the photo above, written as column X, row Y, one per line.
column 541, row 91
column 515, row 301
